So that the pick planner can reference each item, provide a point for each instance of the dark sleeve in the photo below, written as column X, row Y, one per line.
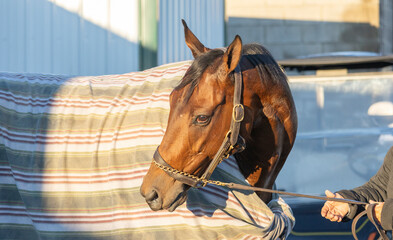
column 387, row 214
column 374, row 189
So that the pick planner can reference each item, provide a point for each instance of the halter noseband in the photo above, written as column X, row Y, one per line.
column 232, row 143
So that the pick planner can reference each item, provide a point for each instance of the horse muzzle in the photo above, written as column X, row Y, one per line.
column 163, row 192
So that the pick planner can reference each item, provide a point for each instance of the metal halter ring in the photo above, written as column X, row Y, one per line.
column 241, row 113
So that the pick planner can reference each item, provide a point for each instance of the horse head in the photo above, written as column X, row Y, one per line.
column 199, row 119
column 203, row 110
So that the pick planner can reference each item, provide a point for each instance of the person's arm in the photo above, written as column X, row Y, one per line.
column 374, row 189
column 387, row 214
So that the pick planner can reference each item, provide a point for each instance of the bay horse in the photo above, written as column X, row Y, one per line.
column 202, row 110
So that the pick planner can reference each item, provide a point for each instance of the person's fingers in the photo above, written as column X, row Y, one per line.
column 330, row 216
column 329, row 194
column 331, row 213
column 324, row 210
column 335, row 218
column 327, row 208
column 338, row 215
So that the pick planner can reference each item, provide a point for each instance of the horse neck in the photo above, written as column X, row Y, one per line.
column 269, row 138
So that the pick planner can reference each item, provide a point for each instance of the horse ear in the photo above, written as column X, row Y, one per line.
column 233, row 54
column 192, row 42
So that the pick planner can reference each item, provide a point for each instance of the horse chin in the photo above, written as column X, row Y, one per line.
column 181, row 198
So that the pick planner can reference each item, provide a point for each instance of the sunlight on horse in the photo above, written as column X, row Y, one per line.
column 201, row 112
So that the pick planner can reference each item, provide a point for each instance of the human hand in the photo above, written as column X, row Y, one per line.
column 334, row 211
column 377, row 210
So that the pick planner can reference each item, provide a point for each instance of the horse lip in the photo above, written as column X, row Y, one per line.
column 155, row 204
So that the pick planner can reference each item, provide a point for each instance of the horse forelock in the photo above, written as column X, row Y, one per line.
column 194, row 74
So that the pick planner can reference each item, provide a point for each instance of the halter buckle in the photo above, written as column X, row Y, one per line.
column 238, row 116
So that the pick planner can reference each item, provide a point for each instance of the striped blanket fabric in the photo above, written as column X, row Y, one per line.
column 74, row 150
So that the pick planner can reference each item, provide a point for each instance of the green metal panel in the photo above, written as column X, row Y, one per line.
column 147, row 34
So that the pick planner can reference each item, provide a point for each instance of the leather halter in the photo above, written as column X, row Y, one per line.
column 232, row 143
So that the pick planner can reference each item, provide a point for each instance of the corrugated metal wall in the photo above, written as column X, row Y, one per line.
column 81, row 37
column 205, row 18
column 93, row 37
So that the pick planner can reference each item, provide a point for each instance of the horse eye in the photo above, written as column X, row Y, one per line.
column 202, row 119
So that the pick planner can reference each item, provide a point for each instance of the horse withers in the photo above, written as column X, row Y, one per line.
column 202, row 110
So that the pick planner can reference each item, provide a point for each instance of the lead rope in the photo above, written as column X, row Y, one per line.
column 369, row 211
column 370, row 215
column 205, row 181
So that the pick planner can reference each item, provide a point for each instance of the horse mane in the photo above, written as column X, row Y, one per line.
column 263, row 61
column 255, row 53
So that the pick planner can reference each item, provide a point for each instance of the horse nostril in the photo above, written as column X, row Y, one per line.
column 152, row 196
column 154, row 200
